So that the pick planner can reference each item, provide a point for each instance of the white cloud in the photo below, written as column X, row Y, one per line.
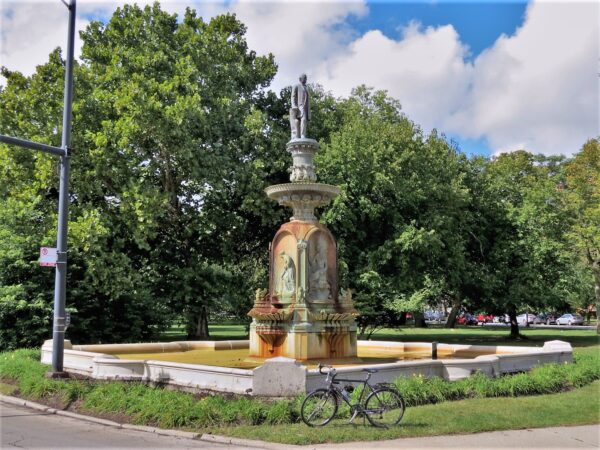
column 31, row 30
column 299, row 34
column 425, row 70
column 537, row 89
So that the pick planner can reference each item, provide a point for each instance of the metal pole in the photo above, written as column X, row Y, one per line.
column 32, row 145
column 60, row 284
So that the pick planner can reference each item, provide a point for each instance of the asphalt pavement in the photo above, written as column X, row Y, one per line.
column 26, row 428
column 23, row 428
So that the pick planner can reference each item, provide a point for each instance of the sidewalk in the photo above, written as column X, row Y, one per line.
column 587, row 436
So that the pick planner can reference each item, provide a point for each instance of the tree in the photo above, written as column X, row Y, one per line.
column 526, row 255
column 165, row 120
column 399, row 208
column 582, row 201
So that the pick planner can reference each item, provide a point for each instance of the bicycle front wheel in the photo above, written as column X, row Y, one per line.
column 318, row 408
column 384, row 407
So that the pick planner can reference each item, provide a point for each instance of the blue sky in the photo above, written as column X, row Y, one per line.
column 479, row 24
column 492, row 76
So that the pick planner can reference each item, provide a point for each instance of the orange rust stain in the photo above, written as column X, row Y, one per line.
column 270, row 346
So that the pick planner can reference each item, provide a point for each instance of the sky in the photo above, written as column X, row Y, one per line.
column 492, row 76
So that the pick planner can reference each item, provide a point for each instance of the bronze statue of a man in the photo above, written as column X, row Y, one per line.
column 300, row 110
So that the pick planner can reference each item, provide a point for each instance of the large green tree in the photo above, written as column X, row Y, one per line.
column 526, row 259
column 582, row 201
column 168, row 154
column 399, row 214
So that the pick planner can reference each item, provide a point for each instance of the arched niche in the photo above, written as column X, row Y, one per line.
column 284, row 267
column 322, row 266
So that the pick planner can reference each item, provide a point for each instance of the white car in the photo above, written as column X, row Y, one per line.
column 522, row 321
column 569, row 319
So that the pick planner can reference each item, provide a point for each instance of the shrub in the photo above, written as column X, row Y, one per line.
column 280, row 412
column 24, row 321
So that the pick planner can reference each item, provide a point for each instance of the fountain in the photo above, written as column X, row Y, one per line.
column 302, row 315
column 301, row 319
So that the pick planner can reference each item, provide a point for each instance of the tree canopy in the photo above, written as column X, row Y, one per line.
column 175, row 137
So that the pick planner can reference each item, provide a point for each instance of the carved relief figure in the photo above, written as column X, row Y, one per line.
column 287, row 276
column 300, row 110
column 319, row 285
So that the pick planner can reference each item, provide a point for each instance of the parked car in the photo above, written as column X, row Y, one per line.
column 466, row 319
column 484, row 318
column 502, row 318
column 523, row 319
column 545, row 318
column 570, row 319
column 435, row 316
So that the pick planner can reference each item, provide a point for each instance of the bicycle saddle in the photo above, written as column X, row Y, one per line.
column 370, row 370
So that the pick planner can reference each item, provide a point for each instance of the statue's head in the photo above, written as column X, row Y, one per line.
column 302, row 78
column 285, row 258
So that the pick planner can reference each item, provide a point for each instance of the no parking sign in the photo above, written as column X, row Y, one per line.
column 48, row 256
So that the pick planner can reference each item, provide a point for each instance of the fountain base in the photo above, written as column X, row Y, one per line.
column 305, row 342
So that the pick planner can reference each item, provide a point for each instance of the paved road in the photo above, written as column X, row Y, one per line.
column 30, row 429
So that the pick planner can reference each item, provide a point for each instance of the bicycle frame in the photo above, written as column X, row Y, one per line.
column 332, row 379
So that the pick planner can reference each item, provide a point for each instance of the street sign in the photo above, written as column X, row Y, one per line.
column 48, row 256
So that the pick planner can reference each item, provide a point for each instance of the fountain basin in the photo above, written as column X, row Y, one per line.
column 223, row 366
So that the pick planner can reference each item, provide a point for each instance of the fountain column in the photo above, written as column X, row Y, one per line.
column 303, row 315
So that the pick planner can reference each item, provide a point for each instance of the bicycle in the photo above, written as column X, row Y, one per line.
column 383, row 406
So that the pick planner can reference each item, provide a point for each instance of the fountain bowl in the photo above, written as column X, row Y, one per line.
column 223, row 366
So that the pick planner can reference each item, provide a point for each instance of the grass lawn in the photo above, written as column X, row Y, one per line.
column 218, row 332
column 488, row 336
column 578, row 407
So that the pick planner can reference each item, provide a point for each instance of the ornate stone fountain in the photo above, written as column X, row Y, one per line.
column 303, row 315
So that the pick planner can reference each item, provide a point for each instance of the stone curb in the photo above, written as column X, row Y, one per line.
column 32, row 405
column 217, row 439
column 72, row 415
column 109, row 423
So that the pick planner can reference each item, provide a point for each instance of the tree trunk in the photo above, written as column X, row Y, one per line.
column 514, row 325
column 201, row 325
column 362, row 329
column 419, row 320
column 451, row 322
column 402, row 320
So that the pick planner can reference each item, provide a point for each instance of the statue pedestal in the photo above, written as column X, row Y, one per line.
column 302, row 316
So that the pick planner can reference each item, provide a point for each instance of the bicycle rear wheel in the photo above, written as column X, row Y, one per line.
column 318, row 408
column 384, row 407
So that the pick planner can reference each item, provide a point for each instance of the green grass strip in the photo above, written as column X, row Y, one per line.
column 170, row 409
column 577, row 407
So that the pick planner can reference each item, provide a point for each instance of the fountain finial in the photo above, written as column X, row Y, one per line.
column 300, row 110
